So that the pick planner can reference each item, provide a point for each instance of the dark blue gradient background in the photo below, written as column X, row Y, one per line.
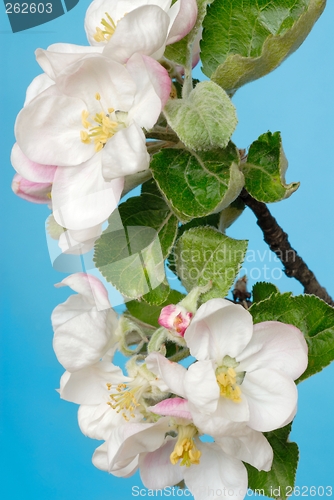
column 44, row 454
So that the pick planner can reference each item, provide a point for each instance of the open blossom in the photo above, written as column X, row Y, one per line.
column 153, row 24
column 170, row 450
column 89, row 123
column 243, row 373
column 85, row 325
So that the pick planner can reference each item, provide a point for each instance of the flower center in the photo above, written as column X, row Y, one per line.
column 103, row 35
column 125, row 400
column 185, row 448
column 102, row 130
column 229, row 380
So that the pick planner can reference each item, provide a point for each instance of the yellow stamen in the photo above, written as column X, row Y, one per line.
column 185, row 448
column 123, row 401
column 229, row 388
column 98, row 96
column 109, row 29
column 84, row 116
column 101, row 133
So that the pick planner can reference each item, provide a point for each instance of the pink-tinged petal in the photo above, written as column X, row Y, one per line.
column 81, row 198
column 129, row 440
column 48, row 131
column 184, row 20
column 272, row 399
column 89, row 385
column 276, row 346
column 217, row 476
column 175, row 318
column 148, row 26
column 59, row 56
column 30, row 170
column 247, row 445
column 219, row 328
column 91, row 289
column 156, row 469
column 172, row 407
column 125, row 154
column 201, row 386
column 172, row 374
column 37, row 86
column 148, row 74
column 100, row 457
column 98, row 74
column 35, row 192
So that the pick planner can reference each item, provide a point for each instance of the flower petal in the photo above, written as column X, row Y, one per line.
column 156, row 469
column 30, row 170
column 89, row 385
column 59, row 56
column 247, row 445
column 81, row 197
column 128, row 441
column 217, row 475
column 36, row 192
column 148, row 26
column 219, row 328
column 172, row 374
column 184, row 20
column 153, row 89
column 48, row 130
column 272, row 399
column 172, row 407
column 278, row 346
column 37, row 86
column 97, row 421
column 201, row 387
column 125, row 153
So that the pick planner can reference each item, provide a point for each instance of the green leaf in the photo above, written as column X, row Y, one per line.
column 204, row 255
column 277, row 482
column 131, row 251
column 150, row 313
column 179, row 52
column 245, row 40
column 265, row 170
column 230, row 214
column 311, row 315
column 205, row 120
column 262, row 291
column 197, row 184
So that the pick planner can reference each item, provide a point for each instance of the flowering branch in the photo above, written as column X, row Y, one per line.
column 278, row 242
column 162, row 133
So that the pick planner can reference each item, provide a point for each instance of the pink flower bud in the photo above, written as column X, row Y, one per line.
column 175, row 318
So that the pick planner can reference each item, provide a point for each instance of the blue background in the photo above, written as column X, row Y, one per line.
column 44, row 455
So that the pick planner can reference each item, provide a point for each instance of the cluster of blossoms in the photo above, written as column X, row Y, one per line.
column 240, row 384
column 80, row 132
column 79, row 135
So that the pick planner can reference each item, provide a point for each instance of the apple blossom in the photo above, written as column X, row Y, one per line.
column 85, row 325
column 153, row 24
column 90, row 122
column 165, row 460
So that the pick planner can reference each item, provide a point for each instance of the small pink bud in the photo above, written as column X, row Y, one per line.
column 175, row 318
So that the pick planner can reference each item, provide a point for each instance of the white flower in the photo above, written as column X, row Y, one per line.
column 89, row 124
column 125, row 27
column 165, row 460
column 243, row 373
column 85, row 325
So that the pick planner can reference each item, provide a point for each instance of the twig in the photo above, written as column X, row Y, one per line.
column 162, row 133
column 278, row 242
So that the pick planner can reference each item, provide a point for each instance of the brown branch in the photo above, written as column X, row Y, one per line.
column 278, row 242
column 162, row 133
